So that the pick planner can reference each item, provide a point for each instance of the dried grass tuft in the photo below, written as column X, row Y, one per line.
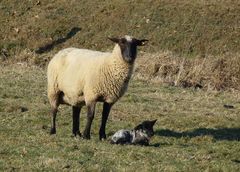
column 214, row 73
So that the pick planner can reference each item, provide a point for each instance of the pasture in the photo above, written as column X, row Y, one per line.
column 187, row 77
column 195, row 130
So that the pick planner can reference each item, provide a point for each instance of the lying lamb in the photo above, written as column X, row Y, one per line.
column 140, row 135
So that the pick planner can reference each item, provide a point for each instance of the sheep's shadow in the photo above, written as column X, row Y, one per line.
column 231, row 134
column 51, row 45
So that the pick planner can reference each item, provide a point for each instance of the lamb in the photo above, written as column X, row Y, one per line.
column 79, row 77
column 140, row 135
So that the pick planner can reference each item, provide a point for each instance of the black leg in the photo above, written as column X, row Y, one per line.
column 90, row 116
column 53, row 127
column 75, row 120
column 105, row 113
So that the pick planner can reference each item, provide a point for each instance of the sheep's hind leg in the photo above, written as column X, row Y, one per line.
column 75, row 117
column 90, row 116
column 105, row 114
column 54, row 102
column 53, row 127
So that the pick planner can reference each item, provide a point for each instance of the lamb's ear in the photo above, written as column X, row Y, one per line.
column 116, row 40
column 153, row 122
column 141, row 42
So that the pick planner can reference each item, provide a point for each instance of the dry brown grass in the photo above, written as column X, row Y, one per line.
column 220, row 73
column 209, row 73
column 186, row 27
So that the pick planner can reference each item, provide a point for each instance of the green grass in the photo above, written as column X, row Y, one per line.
column 194, row 132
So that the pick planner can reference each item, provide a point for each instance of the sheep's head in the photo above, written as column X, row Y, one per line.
column 128, row 46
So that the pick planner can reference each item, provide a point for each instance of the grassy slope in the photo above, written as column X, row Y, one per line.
column 194, row 131
column 186, row 27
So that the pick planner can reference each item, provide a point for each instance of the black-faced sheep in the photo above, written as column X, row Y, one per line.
column 79, row 77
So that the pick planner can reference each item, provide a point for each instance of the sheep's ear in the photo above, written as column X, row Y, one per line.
column 116, row 40
column 141, row 42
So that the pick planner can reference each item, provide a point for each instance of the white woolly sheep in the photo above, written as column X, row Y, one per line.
column 79, row 77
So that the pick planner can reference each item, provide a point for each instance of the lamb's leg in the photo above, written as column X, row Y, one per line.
column 54, row 115
column 105, row 113
column 90, row 116
column 75, row 117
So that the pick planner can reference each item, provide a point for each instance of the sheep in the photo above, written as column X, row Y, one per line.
column 82, row 77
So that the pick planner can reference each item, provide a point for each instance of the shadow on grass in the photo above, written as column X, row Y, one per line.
column 230, row 134
column 51, row 45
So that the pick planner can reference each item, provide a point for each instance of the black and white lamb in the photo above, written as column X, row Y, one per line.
column 140, row 135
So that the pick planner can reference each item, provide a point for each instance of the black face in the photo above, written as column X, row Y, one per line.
column 147, row 126
column 129, row 47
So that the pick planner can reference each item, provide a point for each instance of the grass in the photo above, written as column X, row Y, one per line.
column 194, row 131
column 197, row 129
column 185, row 27
column 220, row 73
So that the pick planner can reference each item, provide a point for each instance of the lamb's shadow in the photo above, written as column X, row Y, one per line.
column 51, row 45
column 231, row 134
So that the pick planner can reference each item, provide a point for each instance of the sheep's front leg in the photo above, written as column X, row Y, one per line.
column 75, row 117
column 90, row 116
column 105, row 114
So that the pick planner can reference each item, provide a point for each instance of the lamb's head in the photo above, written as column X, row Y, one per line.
column 146, row 127
column 128, row 46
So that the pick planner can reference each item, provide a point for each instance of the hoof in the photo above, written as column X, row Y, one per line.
column 86, row 136
column 53, row 131
column 102, row 135
column 102, row 138
column 77, row 134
